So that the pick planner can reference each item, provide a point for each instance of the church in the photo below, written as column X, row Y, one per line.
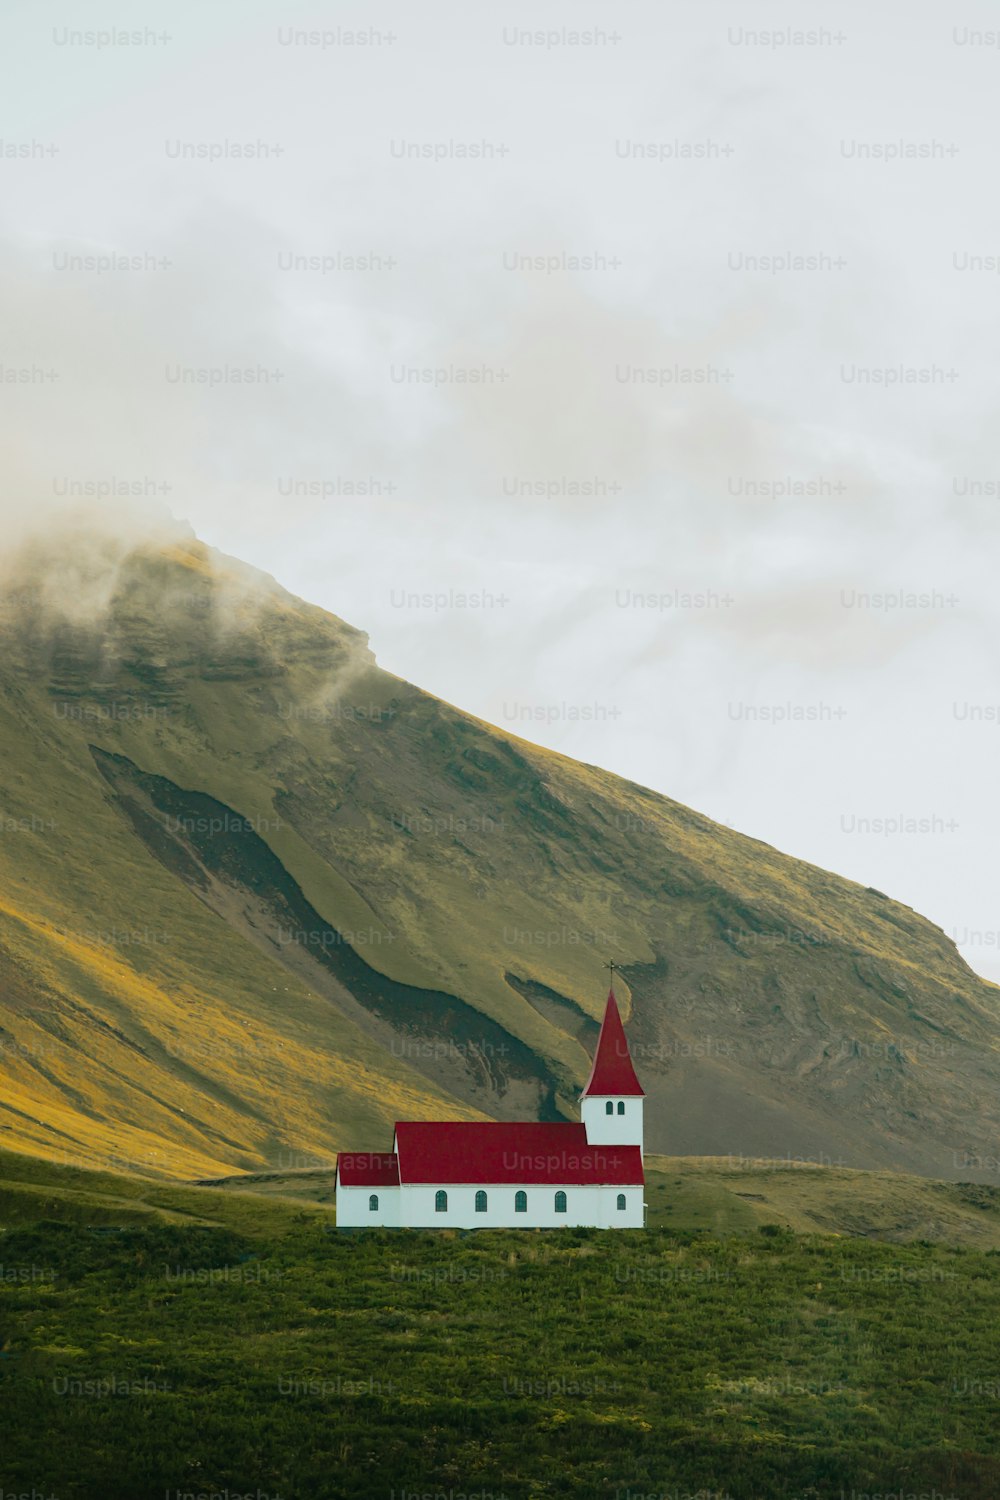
column 457, row 1174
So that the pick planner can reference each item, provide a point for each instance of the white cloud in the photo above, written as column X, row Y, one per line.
column 680, row 470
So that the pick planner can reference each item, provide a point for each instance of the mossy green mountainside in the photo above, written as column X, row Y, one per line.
column 259, row 898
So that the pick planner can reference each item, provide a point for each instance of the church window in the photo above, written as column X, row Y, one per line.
column 373, row 1203
column 521, row 1202
column 480, row 1202
column 440, row 1201
column 560, row 1202
column 621, row 1106
column 609, row 1108
column 621, row 1200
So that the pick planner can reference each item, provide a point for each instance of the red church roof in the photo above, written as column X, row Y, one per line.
column 612, row 1072
column 459, row 1151
column 368, row 1169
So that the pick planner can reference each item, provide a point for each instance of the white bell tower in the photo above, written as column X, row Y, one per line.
column 611, row 1103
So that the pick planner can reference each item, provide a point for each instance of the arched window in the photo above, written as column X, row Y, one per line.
column 560, row 1202
column 440, row 1201
column 609, row 1108
column 520, row 1202
column 621, row 1106
column 480, row 1202
column 373, row 1203
column 621, row 1200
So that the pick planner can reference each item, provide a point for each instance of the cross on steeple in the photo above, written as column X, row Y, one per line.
column 612, row 966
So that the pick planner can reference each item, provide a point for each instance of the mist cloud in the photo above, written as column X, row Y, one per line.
column 559, row 483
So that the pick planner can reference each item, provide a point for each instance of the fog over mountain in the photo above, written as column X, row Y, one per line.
column 687, row 469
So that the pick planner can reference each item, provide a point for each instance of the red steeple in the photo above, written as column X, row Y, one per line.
column 612, row 1072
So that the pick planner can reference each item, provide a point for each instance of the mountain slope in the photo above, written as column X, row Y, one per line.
column 259, row 897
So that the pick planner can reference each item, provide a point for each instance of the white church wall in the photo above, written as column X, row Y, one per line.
column 353, row 1210
column 414, row 1207
column 591, row 1206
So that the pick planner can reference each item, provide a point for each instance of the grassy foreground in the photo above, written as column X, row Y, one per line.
column 213, row 1341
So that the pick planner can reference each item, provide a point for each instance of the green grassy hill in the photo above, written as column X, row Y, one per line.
column 159, row 1338
column 259, row 898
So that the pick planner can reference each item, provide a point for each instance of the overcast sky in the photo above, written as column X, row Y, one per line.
column 666, row 332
